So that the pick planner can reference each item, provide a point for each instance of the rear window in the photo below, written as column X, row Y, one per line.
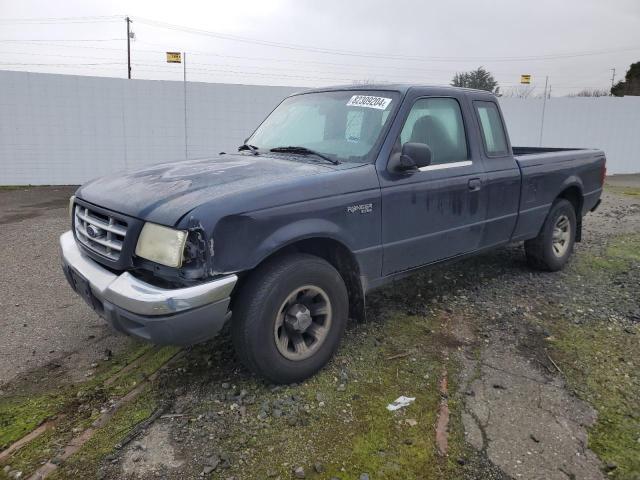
column 495, row 140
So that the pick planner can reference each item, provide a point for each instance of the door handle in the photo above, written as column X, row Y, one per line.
column 475, row 184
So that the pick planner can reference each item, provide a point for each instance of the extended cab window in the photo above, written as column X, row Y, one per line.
column 495, row 140
column 437, row 122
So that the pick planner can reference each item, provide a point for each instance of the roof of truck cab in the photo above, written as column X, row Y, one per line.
column 403, row 88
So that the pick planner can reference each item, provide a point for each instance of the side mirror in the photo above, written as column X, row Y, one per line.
column 414, row 156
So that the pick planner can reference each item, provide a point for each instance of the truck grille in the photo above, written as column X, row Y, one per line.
column 101, row 233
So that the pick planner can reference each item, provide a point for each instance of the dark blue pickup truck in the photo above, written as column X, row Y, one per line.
column 339, row 191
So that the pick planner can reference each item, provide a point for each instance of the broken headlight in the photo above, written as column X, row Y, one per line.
column 161, row 244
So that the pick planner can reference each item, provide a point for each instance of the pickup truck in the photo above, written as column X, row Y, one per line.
column 338, row 192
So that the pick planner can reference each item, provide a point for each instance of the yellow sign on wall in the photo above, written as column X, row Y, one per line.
column 174, row 57
column 526, row 79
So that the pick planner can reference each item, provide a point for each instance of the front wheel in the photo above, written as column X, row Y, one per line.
column 289, row 317
column 553, row 246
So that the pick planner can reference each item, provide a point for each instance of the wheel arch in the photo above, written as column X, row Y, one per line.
column 573, row 193
column 336, row 253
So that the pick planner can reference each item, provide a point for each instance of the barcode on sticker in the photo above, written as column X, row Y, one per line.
column 368, row 101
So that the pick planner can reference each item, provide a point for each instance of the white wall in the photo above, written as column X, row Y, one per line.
column 609, row 123
column 64, row 129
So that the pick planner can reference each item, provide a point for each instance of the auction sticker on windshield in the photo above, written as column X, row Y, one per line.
column 369, row 102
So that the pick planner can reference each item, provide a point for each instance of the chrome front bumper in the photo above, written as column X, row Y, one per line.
column 169, row 316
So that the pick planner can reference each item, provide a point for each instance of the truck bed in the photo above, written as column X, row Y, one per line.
column 520, row 151
column 547, row 171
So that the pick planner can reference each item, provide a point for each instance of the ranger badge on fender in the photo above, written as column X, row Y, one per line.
column 364, row 208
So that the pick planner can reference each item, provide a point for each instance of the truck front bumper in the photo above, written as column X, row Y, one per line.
column 182, row 316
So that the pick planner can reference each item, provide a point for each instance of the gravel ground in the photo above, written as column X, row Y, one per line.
column 489, row 325
column 42, row 321
column 518, row 417
column 632, row 180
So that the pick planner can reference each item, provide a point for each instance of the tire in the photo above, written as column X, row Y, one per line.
column 545, row 253
column 269, row 318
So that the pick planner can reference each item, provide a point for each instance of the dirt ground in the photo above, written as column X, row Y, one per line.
column 41, row 320
column 515, row 374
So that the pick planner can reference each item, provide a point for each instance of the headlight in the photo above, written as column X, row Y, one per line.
column 161, row 244
column 72, row 200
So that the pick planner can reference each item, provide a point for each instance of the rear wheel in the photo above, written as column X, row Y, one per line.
column 553, row 246
column 289, row 317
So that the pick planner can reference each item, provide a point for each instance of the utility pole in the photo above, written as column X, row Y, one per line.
column 544, row 105
column 184, row 81
column 128, row 20
column 613, row 76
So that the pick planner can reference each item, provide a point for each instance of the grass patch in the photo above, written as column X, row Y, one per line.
column 19, row 416
column 85, row 463
column 23, row 409
column 79, row 403
column 341, row 415
column 601, row 366
column 152, row 362
column 619, row 255
column 601, row 359
column 621, row 190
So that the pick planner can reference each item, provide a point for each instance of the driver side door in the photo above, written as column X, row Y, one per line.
column 437, row 211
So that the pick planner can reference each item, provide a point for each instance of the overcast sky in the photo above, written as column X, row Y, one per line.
column 310, row 43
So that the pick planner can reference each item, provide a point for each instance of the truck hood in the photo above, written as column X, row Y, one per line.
column 164, row 193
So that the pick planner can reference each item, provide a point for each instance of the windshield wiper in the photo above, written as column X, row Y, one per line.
column 252, row 148
column 304, row 151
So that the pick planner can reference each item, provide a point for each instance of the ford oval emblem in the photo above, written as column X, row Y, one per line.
column 93, row 231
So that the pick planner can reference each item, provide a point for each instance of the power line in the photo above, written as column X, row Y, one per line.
column 297, row 61
column 241, row 69
column 29, row 42
column 161, row 68
column 239, row 57
column 245, row 72
column 372, row 69
column 60, row 19
column 308, row 48
column 65, row 20
column 293, row 60
column 206, row 72
column 40, row 54
column 49, row 40
column 58, row 64
column 285, row 68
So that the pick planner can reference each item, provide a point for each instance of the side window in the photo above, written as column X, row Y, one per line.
column 437, row 122
column 495, row 140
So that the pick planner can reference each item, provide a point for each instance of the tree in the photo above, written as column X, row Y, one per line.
column 590, row 92
column 520, row 91
column 631, row 83
column 480, row 79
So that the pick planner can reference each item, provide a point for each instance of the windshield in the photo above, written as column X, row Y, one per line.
column 343, row 125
